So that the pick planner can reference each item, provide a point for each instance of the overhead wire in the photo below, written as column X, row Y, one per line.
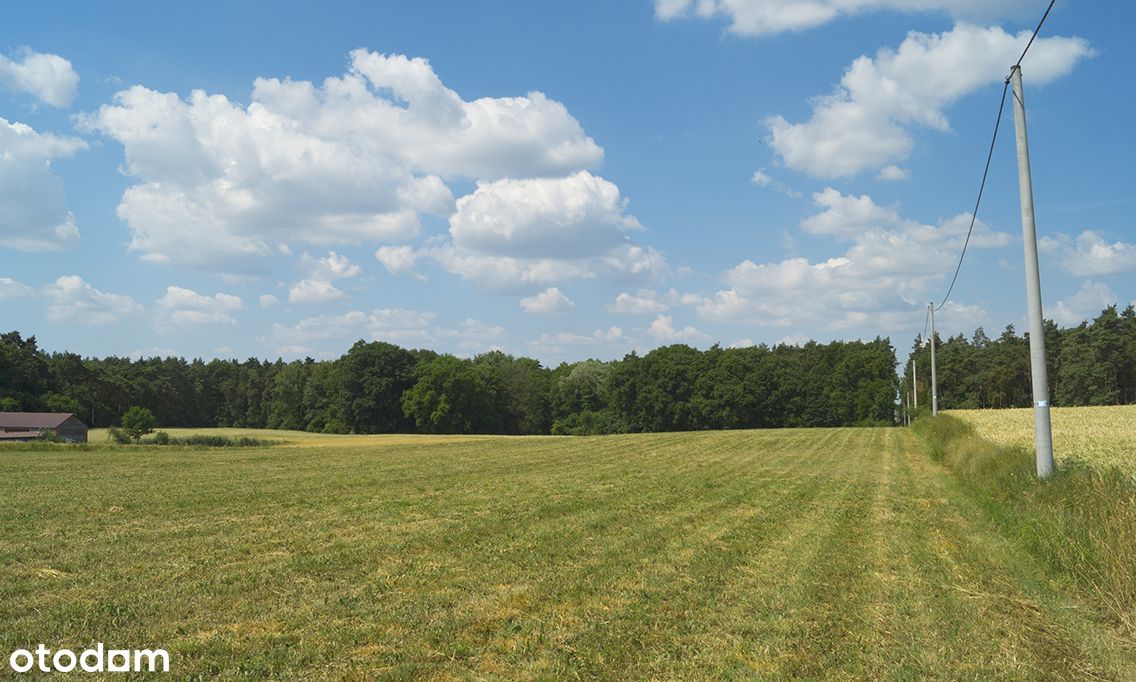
column 932, row 308
column 990, row 156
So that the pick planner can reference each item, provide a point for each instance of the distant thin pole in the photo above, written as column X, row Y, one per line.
column 914, row 385
column 934, row 374
column 1043, row 436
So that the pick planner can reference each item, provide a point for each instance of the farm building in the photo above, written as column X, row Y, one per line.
column 32, row 425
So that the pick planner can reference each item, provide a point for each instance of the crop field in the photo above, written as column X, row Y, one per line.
column 837, row 553
column 1099, row 436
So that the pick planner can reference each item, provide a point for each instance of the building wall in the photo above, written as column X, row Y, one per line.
column 72, row 430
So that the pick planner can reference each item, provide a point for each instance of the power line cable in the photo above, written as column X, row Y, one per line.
column 1035, row 32
column 990, row 154
column 981, row 189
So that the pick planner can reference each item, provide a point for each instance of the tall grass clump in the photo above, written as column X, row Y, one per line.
column 1080, row 522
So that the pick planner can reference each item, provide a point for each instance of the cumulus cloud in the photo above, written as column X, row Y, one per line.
column 664, row 331
column 399, row 260
column 317, row 285
column 332, row 266
column 182, row 307
column 33, row 206
column 866, row 123
column 1090, row 254
column 523, row 234
column 314, row 291
column 70, row 299
column 1086, row 304
column 47, row 77
column 549, row 301
column 892, row 265
column 645, row 303
column 356, row 159
column 269, row 301
column 764, row 17
column 893, row 174
column 574, row 217
column 11, row 289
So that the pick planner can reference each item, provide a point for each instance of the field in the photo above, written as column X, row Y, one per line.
column 1099, row 436
column 843, row 553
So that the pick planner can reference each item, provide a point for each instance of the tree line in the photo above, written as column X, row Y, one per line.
column 378, row 387
column 1093, row 363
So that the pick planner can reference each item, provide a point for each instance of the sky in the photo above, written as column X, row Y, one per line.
column 555, row 180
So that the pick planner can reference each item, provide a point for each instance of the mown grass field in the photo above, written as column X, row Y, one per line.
column 838, row 553
column 1098, row 436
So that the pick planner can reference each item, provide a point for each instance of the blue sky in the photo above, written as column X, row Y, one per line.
column 557, row 180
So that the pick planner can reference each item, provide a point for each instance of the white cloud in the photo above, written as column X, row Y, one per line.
column 866, row 123
column 549, row 301
column 764, row 179
column 330, row 267
column 269, row 301
column 356, row 159
column 1090, row 255
column 11, row 289
column 182, row 307
column 1086, row 304
column 314, row 291
column 643, row 304
column 893, row 174
column 574, row 217
column 764, row 17
column 663, row 330
column 47, row 77
column 520, row 234
column 72, row 300
column 893, row 265
column 33, row 206
column 317, row 285
column 399, row 260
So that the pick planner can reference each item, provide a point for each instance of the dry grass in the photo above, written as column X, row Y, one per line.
column 809, row 554
column 1098, row 436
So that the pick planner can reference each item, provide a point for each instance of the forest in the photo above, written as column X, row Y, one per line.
column 378, row 387
column 1093, row 363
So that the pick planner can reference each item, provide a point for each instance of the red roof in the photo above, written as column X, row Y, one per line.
column 33, row 420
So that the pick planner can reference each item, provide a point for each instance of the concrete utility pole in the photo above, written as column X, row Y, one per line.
column 914, row 387
column 1043, row 437
column 934, row 377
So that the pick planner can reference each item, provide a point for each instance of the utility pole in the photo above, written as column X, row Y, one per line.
column 934, row 378
column 914, row 386
column 1043, row 437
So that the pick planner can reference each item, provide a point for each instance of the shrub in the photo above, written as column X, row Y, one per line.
column 119, row 436
column 138, row 421
column 161, row 438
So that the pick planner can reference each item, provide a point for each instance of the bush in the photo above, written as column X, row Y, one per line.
column 161, row 438
column 119, row 436
column 138, row 421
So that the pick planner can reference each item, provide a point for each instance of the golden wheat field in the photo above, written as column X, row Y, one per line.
column 1101, row 436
